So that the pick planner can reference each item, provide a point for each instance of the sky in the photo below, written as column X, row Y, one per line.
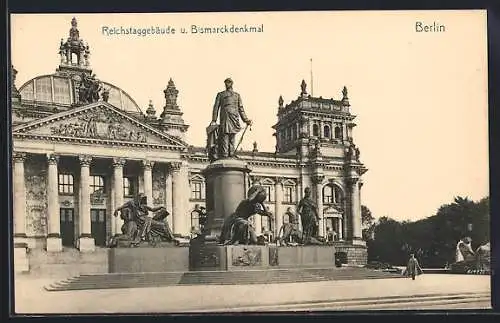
column 420, row 97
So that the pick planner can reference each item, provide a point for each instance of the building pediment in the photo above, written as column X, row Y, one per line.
column 97, row 123
column 333, row 212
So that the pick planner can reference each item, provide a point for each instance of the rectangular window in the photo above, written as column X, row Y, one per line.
column 97, row 183
column 289, row 194
column 269, row 192
column 61, row 91
column 196, row 191
column 129, row 186
column 66, row 184
column 44, row 89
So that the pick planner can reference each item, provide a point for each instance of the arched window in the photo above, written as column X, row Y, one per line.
column 338, row 132
column 337, row 194
column 332, row 194
column 315, row 130
column 326, row 132
column 195, row 218
column 328, row 194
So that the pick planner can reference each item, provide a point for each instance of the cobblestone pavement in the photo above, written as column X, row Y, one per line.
column 429, row 291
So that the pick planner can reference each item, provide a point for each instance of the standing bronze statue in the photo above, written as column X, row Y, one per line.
column 310, row 220
column 228, row 108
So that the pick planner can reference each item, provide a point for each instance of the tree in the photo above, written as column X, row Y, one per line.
column 367, row 222
column 366, row 217
column 433, row 239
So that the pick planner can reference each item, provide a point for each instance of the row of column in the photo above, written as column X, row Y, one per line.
column 177, row 188
column 354, row 232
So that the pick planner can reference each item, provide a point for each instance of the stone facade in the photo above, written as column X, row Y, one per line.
column 76, row 161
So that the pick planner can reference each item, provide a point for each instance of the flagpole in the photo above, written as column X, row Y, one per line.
column 312, row 84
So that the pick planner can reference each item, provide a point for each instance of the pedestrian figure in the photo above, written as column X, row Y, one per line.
column 413, row 268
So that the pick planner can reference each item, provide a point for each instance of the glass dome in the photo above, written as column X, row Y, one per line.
column 60, row 91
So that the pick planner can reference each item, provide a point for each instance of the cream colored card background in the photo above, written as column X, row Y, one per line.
column 420, row 98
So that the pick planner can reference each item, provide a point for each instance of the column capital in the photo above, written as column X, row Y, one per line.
column 118, row 162
column 255, row 180
column 19, row 157
column 85, row 160
column 147, row 164
column 52, row 159
column 318, row 179
column 175, row 166
column 352, row 180
column 279, row 180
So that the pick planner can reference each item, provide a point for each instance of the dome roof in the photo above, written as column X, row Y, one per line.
column 59, row 90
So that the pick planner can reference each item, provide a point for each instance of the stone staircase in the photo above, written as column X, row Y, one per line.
column 160, row 279
column 69, row 262
column 478, row 300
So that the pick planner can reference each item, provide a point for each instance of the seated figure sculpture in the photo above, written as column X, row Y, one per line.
column 468, row 261
column 139, row 226
column 290, row 232
column 237, row 229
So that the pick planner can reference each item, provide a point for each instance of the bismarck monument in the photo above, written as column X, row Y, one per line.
column 229, row 241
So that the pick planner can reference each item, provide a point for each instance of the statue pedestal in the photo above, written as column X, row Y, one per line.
column 225, row 188
column 206, row 256
column 144, row 259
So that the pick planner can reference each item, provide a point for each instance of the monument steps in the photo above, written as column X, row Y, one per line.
column 136, row 280
column 379, row 303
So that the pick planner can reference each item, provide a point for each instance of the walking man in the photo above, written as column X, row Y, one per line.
column 413, row 267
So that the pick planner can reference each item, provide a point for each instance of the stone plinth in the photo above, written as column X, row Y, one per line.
column 214, row 257
column 225, row 189
column 352, row 254
column 148, row 259
column 302, row 256
column 21, row 262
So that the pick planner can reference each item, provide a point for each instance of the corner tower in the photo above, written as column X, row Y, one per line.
column 171, row 117
column 310, row 123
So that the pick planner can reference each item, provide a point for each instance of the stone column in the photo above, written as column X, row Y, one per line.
column 318, row 181
column 147, row 167
column 278, row 212
column 54, row 242
column 118, row 164
column 340, row 233
column 258, row 224
column 19, row 198
column 356, row 228
column 180, row 198
column 168, row 194
column 86, row 241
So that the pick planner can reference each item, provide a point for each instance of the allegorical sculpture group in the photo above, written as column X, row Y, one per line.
column 237, row 228
column 138, row 226
column 467, row 260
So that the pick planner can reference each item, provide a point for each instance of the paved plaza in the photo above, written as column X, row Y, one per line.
column 429, row 291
